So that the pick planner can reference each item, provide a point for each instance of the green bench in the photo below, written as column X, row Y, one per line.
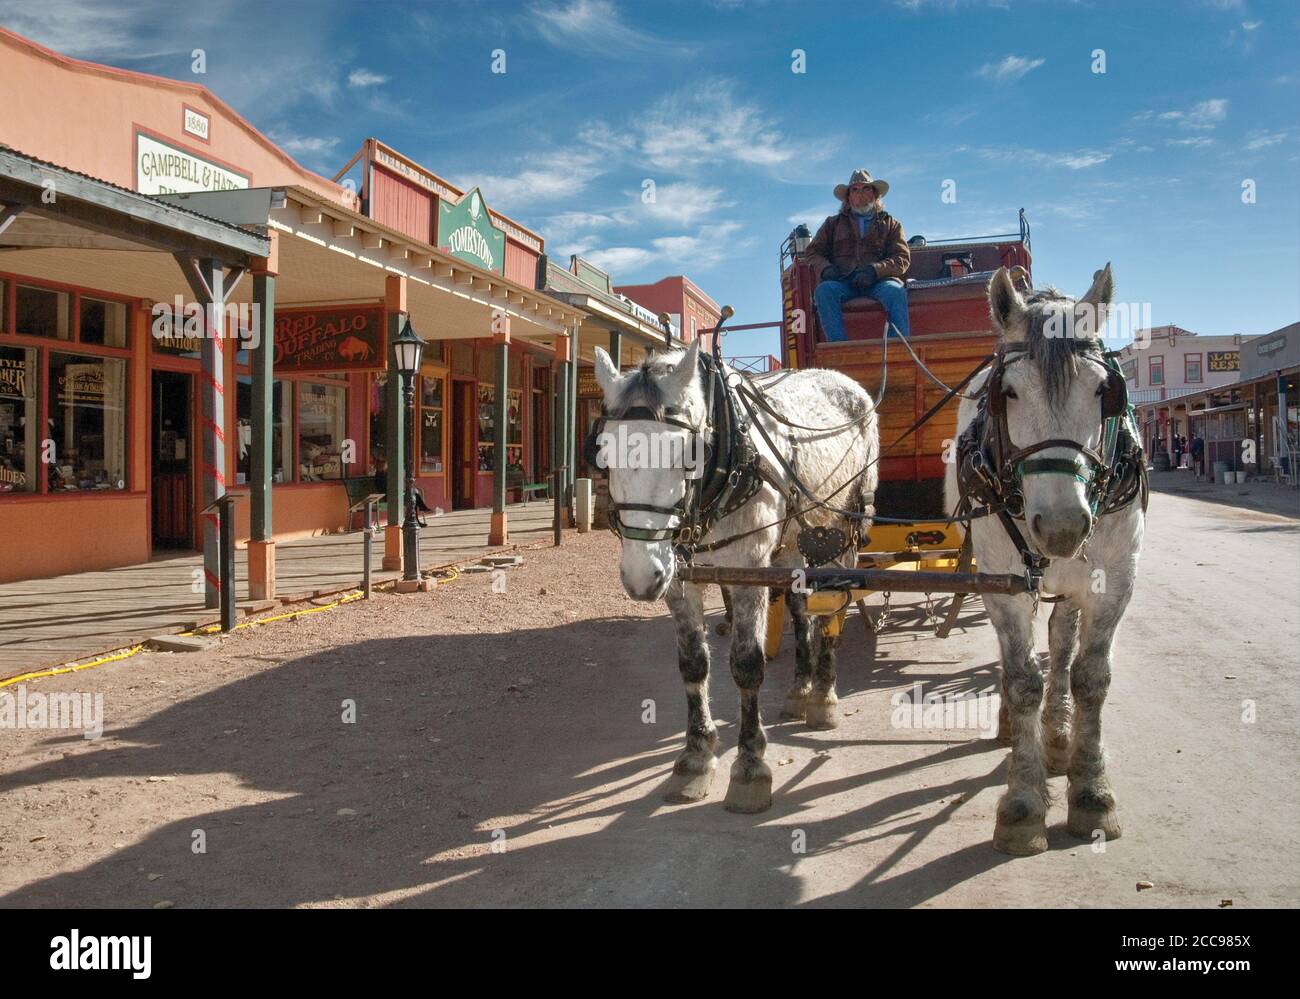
column 515, row 480
column 357, row 489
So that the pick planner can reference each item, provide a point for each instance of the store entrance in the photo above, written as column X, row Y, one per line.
column 464, row 456
column 172, row 460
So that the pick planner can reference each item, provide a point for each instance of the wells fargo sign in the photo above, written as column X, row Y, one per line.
column 349, row 337
column 1223, row 360
column 466, row 231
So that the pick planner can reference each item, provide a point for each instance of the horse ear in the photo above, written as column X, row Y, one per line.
column 1006, row 307
column 607, row 375
column 1094, row 307
column 679, row 379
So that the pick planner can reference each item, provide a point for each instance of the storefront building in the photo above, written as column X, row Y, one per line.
column 188, row 412
column 687, row 306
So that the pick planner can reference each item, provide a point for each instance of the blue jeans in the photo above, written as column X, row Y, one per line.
column 831, row 296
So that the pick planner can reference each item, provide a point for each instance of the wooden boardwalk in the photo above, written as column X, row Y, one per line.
column 46, row 622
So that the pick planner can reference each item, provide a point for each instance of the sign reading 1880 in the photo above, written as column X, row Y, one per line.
column 466, row 231
column 161, row 168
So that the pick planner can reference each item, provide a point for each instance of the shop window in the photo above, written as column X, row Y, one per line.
column 41, row 312
column 1157, row 370
column 103, row 323
column 18, row 419
column 487, row 395
column 281, row 439
column 87, row 412
column 4, row 307
column 378, row 420
column 515, row 430
column 322, row 426
column 1191, row 368
column 431, row 423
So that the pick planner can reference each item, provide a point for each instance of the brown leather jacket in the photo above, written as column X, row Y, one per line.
column 883, row 247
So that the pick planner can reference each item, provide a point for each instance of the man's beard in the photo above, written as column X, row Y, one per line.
column 866, row 210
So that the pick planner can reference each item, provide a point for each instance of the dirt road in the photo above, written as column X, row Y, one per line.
column 504, row 752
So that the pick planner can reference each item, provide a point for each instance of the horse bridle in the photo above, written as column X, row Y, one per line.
column 992, row 469
column 729, row 478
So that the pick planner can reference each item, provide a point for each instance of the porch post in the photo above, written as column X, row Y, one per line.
column 206, row 278
column 616, row 347
column 497, row 533
column 561, row 430
column 394, row 423
column 572, row 417
column 261, row 541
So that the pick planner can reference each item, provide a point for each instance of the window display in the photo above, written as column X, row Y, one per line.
column 18, row 418
column 280, row 436
column 87, row 414
column 431, row 422
column 322, row 426
column 103, row 323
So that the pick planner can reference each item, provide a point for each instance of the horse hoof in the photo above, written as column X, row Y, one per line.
column 748, row 797
column 1091, row 812
column 683, row 789
column 1020, row 840
column 796, row 706
column 822, row 715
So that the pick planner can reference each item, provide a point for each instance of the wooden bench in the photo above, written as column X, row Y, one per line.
column 357, row 489
column 515, row 480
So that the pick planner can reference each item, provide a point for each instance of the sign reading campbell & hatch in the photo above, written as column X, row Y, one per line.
column 466, row 231
column 345, row 337
column 161, row 168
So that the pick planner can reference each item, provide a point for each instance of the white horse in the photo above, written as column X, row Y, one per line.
column 668, row 398
column 1054, row 388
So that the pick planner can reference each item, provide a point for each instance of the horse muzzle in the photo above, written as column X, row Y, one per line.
column 1060, row 535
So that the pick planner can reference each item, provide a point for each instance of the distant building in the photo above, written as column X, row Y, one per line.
column 688, row 307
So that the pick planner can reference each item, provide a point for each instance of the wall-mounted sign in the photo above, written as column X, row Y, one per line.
column 196, row 123
column 1223, row 360
column 161, row 168
column 587, row 385
column 1269, row 347
column 342, row 338
column 466, row 231
column 1130, row 369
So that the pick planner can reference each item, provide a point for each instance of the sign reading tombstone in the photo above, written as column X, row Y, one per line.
column 339, row 339
column 466, row 231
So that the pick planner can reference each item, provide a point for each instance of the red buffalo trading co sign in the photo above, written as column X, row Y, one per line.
column 329, row 339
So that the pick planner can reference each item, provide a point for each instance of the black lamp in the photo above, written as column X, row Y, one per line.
column 407, row 351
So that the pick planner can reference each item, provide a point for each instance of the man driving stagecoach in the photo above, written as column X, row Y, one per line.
column 860, row 252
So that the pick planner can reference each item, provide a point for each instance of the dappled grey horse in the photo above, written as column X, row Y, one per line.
column 1054, row 417
column 762, row 433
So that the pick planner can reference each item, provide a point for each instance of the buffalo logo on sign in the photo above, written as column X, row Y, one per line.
column 329, row 339
column 466, row 231
column 1224, row 360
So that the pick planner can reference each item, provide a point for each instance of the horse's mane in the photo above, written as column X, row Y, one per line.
column 641, row 386
column 1057, row 356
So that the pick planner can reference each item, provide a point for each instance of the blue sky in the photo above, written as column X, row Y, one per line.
column 1142, row 165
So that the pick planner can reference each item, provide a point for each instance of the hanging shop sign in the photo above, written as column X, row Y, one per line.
column 163, row 168
column 1223, row 360
column 341, row 338
column 466, row 231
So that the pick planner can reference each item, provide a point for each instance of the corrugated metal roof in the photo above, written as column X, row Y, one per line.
column 48, row 165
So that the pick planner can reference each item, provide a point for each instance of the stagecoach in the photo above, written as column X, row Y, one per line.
column 912, row 380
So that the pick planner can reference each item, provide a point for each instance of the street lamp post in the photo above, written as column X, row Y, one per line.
column 407, row 349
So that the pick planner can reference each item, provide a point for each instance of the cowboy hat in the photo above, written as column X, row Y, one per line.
column 861, row 177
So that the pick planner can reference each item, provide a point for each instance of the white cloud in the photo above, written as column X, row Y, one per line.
column 1203, row 115
column 1081, row 160
column 365, row 78
column 710, row 246
column 598, row 27
column 684, row 203
column 1009, row 69
column 546, row 177
column 303, row 145
column 1262, row 139
column 1196, row 142
column 1250, row 25
column 706, row 124
column 618, row 259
